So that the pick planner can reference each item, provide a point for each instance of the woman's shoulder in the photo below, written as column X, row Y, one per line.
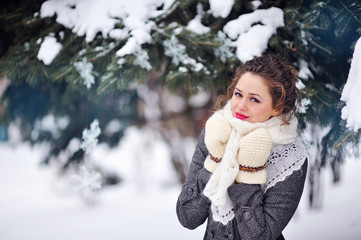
column 284, row 160
column 201, row 149
column 200, row 140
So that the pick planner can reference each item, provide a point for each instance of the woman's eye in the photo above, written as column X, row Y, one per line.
column 238, row 94
column 255, row 100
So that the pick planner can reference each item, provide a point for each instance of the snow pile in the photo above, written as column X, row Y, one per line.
column 88, row 17
column 251, row 32
column 221, row 8
column 351, row 92
column 304, row 72
column 256, row 4
column 196, row 25
column 49, row 49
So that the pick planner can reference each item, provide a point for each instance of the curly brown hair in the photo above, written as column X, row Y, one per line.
column 280, row 78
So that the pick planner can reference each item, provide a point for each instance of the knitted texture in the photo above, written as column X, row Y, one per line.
column 227, row 170
column 218, row 131
column 254, row 149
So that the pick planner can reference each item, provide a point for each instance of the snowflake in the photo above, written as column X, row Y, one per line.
column 175, row 50
column 90, row 137
column 302, row 108
column 142, row 59
column 86, row 183
column 85, row 70
column 224, row 51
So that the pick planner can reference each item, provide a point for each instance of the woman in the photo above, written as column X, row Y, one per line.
column 248, row 170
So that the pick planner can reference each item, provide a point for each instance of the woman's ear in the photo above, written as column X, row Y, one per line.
column 277, row 111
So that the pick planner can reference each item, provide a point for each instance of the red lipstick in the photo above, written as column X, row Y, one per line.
column 241, row 116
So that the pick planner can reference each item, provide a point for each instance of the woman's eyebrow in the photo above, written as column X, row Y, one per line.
column 252, row 94
column 238, row 90
column 256, row 94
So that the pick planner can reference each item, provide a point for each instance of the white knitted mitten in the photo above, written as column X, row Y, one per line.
column 253, row 153
column 217, row 132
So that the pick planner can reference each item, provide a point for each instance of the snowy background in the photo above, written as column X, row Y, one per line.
column 37, row 202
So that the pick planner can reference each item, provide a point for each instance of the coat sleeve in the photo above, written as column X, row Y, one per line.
column 264, row 215
column 192, row 205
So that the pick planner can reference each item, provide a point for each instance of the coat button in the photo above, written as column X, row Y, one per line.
column 189, row 191
column 246, row 215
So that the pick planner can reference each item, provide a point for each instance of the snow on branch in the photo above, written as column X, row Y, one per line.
column 221, row 8
column 251, row 38
column 88, row 17
column 49, row 49
column 351, row 92
column 196, row 25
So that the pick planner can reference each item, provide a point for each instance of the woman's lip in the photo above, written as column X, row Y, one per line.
column 241, row 116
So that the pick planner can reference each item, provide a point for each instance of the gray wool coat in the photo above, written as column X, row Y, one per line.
column 258, row 215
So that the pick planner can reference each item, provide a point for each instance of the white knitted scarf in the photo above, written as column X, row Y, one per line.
column 226, row 172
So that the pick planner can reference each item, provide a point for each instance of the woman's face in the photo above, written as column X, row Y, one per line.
column 251, row 100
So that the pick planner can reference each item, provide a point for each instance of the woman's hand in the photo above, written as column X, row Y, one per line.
column 253, row 153
column 217, row 133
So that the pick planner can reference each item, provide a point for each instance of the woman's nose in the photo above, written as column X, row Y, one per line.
column 242, row 105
